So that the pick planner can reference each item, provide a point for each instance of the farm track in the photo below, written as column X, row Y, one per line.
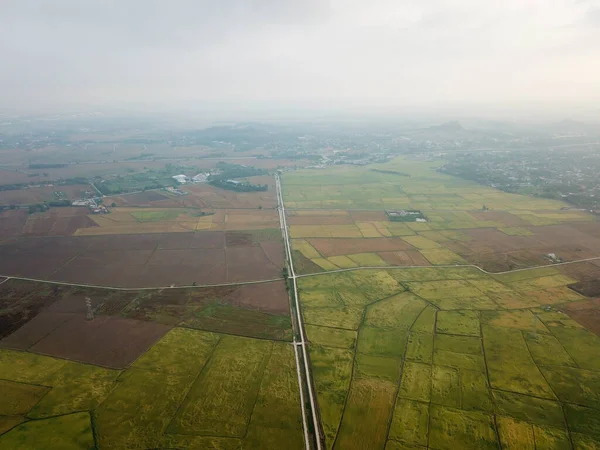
column 114, row 288
column 448, row 266
column 241, row 283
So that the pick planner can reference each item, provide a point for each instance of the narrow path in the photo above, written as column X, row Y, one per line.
column 157, row 288
column 299, row 326
column 448, row 266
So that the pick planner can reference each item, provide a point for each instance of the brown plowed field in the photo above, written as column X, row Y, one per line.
column 342, row 246
column 586, row 271
column 319, row 220
column 55, row 222
column 586, row 313
column 160, row 259
column 41, row 194
column 495, row 250
column 106, row 341
column 365, row 216
column 12, row 222
column 504, row 217
column 138, row 199
column 406, row 258
column 19, row 303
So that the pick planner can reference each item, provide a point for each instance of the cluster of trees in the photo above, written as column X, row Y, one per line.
column 47, row 166
column 239, row 187
column 233, row 171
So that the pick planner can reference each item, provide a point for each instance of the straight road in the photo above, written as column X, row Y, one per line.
column 299, row 328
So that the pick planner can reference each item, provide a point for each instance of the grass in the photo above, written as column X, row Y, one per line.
column 445, row 386
column 573, row 385
column 459, row 360
column 235, row 371
column 452, row 429
column 422, row 243
column 138, row 411
column 442, row 256
column 515, row 434
column 366, row 415
column 27, row 367
column 381, row 342
column 368, row 259
column 156, row 215
column 410, row 423
column 464, row 323
column 68, row 432
column 332, row 337
column 180, row 352
column 304, row 247
column 325, row 264
column 420, row 347
column 276, row 418
column 343, row 262
column 223, row 318
column 19, row 398
column 458, row 344
column 75, row 387
column 416, row 382
column 399, row 311
column 532, row 410
column 510, row 364
column 381, row 367
column 519, row 319
column 332, row 370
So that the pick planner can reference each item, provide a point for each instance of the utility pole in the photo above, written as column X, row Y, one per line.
column 90, row 311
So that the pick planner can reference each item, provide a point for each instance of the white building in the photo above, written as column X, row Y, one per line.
column 181, row 179
column 201, row 178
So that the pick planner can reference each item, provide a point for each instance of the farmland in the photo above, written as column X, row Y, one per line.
column 450, row 358
column 149, row 404
column 410, row 347
column 143, row 372
column 335, row 226
column 405, row 354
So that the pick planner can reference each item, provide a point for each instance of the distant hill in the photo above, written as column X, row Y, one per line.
column 451, row 127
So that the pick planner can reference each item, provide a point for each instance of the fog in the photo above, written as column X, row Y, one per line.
column 440, row 55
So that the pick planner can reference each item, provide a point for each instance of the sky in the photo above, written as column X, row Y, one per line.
column 356, row 54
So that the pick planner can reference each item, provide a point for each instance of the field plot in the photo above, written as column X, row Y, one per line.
column 163, row 400
column 202, row 196
column 340, row 211
column 54, row 222
column 447, row 358
column 425, row 189
column 158, row 259
column 42, row 194
column 177, row 220
column 50, row 319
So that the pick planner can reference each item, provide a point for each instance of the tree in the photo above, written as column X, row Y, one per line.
column 113, row 204
column 259, row 206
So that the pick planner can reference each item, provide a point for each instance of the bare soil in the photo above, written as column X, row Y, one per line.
column 106, row 341
column 145, row 260
column 344, row 246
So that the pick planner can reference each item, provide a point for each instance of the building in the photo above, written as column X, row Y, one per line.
column 181, row 179
column 200, row 178
column 234, row 182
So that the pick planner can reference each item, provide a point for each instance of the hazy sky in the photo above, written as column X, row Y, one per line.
column 374, row 53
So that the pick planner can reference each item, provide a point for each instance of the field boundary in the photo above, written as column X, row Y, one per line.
column 448, row 266
column 133, row 289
